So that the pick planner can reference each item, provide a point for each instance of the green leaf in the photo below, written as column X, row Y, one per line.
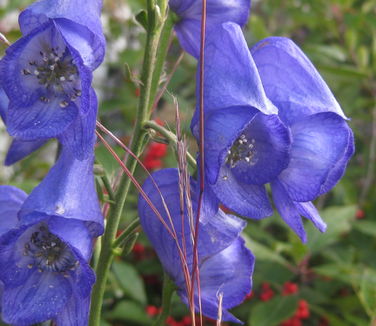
column 264, row 253
column 366, row 227
column 130, row 281
column 339, row 221
column 273, row 312
column 142, row 19
column 367, row 293
column 129, row 311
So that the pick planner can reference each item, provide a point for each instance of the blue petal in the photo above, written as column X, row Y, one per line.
column 80, row 136
column 217, row 12
column 39, row 299
column 290, row 80
column 244, row 199
column 19, row 149
column 268, row 146
column 336, row 173
column 309, row 211
column 68, row 191
column 11, row 199
column 288, row 210
column 233, row 280
column 231, row 76
column 35, row 110
column 68, row 229
column 218, row 232
column 75, row 312
column 222, row 128
column 73, row 15
column 14, row 271
column 4, row 102
column 320, row 144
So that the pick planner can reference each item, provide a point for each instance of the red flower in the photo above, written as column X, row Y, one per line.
column 290, row 288
column 154, row 153
column 267, row 293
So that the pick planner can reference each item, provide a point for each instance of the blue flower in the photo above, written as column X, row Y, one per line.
column 45, row 244
column 219, row 244
column 47, row 74
column 67, row 191
column 302, row 151
column 217, row 12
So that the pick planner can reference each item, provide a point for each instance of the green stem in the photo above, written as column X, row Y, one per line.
column 155, row 26
column 167, row 292
column 171, row 137
column 128, row 231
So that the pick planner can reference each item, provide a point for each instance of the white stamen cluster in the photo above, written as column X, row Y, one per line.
column 243, row 149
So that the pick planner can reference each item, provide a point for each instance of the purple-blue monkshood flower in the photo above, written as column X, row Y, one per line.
column 225, row 264
column 44, row 272
column 47, row 74
column 68, row 191
column 303, row 151
column 188, row 28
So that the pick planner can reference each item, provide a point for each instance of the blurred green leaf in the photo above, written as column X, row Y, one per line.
column 367, row 292
column 129, row 311
column 273, row 312
column 366, row 227
column 338, row 220
column 130, row 281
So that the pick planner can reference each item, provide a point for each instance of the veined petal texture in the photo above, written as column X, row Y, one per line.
column 217, row 12
column 67, row 191
column 217, row 239
column 291, row 81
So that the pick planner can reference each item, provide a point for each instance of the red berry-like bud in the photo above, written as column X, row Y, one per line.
column 290, row 288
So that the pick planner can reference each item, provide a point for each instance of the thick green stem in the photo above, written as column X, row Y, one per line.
column 171, row 137
column 167, row 292
column 156, row 22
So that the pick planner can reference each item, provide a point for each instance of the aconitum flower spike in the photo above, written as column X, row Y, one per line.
column 188, row 29
column 68, row 191
column 44, row 272
column 47, row 74
column 219, row 244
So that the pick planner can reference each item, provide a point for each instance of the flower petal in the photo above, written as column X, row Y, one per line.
column 290, row 80
column 320, row 144
column 39, row 299
column 68, row 191
column 247, row 200
column 233, row 280
column 217, row 12
column 19, row 149
column 219, row 231
column 231, row 76
column 222, row 128
column 287, row 209
column 85, row 21
column 309, row 211
column 80, row 136
column 68, row 229
column 336, row 173
column 4, row 102
column 11, row 199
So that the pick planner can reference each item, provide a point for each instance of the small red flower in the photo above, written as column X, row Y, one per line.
column 154, row 153
column 303, row 310
column 267, row 293
column 294, row 321
column 360, row 214
column 290, row 288
column 152, row 311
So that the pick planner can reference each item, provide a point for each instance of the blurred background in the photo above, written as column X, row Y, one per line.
column 329, row 281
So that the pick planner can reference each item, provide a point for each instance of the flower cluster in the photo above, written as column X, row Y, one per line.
column 46, row 237
column 270, row 119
